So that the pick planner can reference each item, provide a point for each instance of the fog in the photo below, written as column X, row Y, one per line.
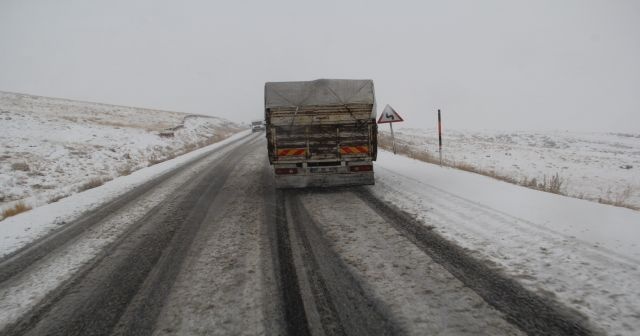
column 506, row 65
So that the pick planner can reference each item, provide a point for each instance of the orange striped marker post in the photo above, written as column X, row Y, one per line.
column 440, row 137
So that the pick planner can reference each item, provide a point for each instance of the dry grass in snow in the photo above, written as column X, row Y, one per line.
column 516, row 157
column 13, row 210
column 92, row 183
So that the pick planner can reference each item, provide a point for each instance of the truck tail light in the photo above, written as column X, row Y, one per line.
column 362, row 168
column 284, row 171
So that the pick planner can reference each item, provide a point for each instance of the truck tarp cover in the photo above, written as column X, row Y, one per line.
column 321, row 92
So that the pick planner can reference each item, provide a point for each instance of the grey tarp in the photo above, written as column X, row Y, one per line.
column 319, row 92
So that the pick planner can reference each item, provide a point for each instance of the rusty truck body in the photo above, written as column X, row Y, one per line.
column 321, row 133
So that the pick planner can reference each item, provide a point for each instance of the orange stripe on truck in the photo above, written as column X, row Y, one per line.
column 291, row 152
column 354, row 150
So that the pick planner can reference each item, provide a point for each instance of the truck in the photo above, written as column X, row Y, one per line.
column 321, row 133
column 257, row 126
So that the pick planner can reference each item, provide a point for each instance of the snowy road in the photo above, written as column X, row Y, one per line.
column 212, row 248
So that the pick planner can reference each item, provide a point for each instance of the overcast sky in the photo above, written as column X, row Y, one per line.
column 507, row 65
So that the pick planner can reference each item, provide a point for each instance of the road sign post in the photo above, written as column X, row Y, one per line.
column 389, row 115
column 393, row 138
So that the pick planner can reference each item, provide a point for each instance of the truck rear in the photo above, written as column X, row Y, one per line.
column 321, row 133
column 257, row 126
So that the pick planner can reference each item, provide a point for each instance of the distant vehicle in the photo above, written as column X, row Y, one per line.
column 321, row 133
column 257, row 126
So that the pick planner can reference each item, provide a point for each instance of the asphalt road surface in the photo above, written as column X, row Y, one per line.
column 213, row 248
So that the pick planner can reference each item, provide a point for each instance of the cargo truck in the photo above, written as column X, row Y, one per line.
column 321, row 133
column 257, row 126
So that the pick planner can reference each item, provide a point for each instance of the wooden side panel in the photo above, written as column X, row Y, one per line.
column 323, row 132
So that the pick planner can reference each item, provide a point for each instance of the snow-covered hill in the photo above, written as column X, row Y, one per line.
column 51, row 148
column 595, row 166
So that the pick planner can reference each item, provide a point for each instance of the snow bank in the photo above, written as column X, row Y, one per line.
column 585, row 254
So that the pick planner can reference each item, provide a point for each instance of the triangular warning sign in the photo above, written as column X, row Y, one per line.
column 389, row 115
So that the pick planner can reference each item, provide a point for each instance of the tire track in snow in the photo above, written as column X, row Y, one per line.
column 533, row 314
column 588, row 278
column 99, row 294
column 19, row 260
column 445, row 200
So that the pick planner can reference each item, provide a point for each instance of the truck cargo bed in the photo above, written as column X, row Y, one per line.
column 321, row 133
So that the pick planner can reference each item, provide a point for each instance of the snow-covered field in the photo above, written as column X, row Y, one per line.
column 592, row 165
column 51, row 148
column 585, row 254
